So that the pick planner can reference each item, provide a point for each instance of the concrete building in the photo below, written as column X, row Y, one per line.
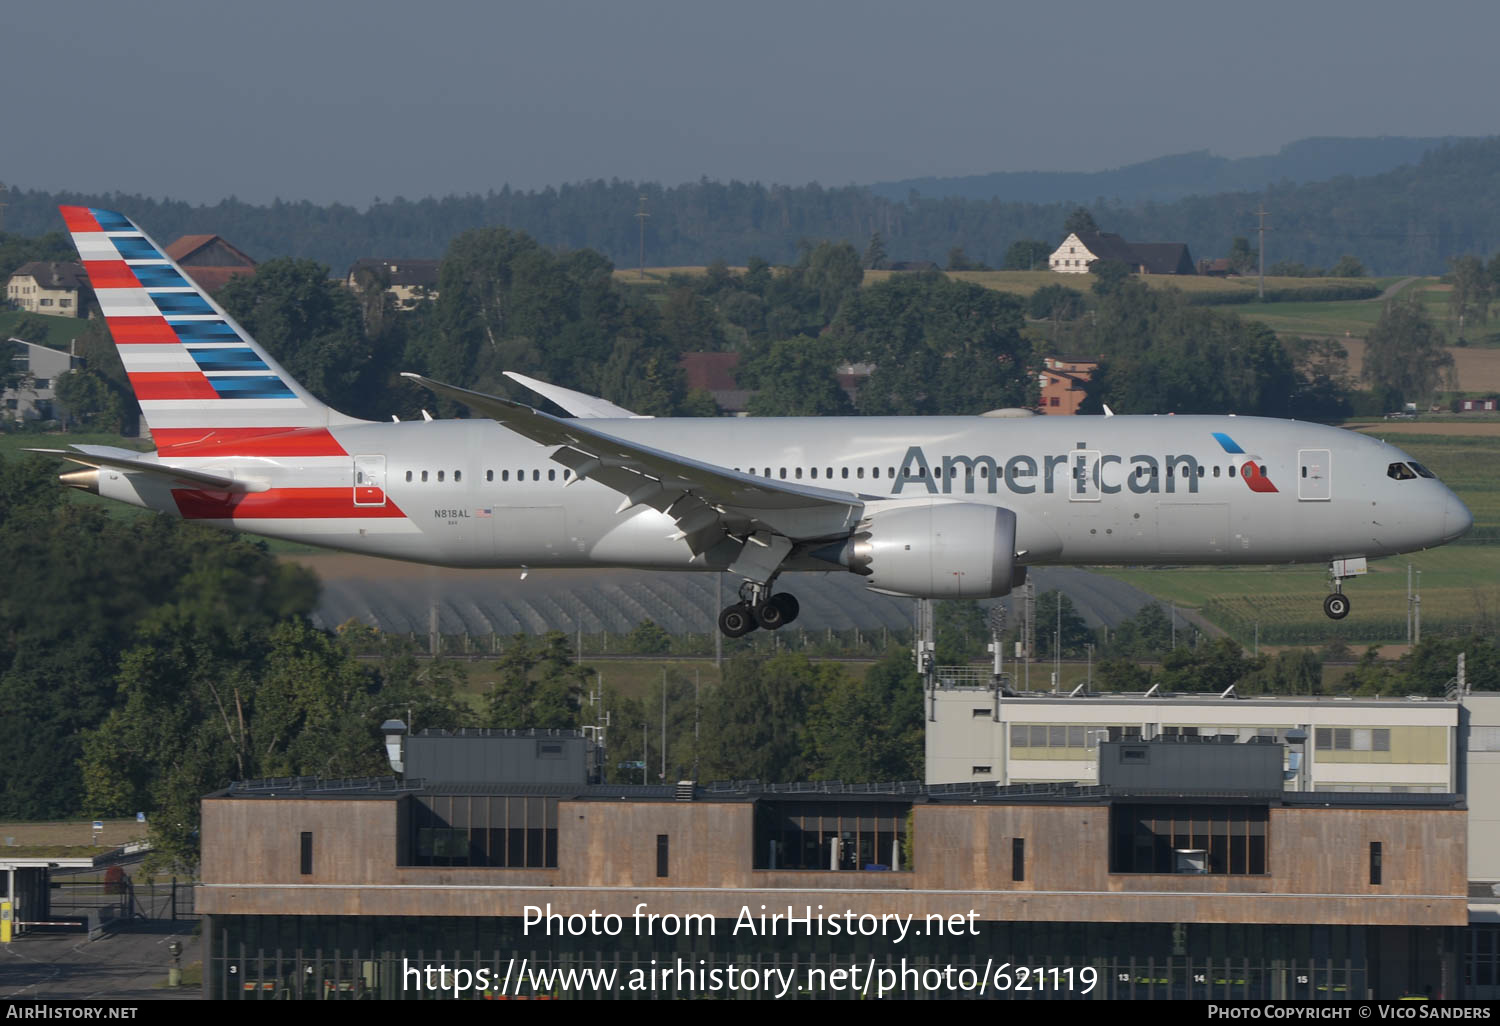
column 34, row 397
column 1188, row 872
column 1063, row 382
column 1382, row 745
column 55, row 287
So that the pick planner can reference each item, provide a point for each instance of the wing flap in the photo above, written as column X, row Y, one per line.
column 707, row 502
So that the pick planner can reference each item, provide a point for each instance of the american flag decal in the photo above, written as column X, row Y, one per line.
column 483, row 514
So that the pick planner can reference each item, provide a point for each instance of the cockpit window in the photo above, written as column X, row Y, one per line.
column 1400, row 472
column 1421, row 470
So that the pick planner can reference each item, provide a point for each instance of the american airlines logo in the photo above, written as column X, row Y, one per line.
column 1081, row 472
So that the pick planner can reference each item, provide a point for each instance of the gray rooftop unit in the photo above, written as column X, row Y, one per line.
column 476, row 755
column 1170, row 765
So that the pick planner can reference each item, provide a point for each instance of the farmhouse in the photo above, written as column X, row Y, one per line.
column 209, row 260
column 1080, row 249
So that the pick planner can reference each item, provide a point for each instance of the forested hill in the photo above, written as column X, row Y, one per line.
column 1182, row 174
column 1409, row 220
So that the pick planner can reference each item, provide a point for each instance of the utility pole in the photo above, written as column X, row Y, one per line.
column 1408, row 603
column 641, row 215
column 1416, row 637
column 663, row 724
column 1057, row 655
column 1262, row 229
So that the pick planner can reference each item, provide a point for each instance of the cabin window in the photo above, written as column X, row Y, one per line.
column 814, row 473
column 1202, row 471
column 408, row 475
column 424, row 477
column 566, row 473
column 536, row 475
column 798, row 474
column 440, row 475
column 828, row 475
column 1231, row 470
column 1216, row 470
column 860, row 473
column 845, row 473
column 783, row 473
column 458, row 475
column 489, row 475
column 551, row 475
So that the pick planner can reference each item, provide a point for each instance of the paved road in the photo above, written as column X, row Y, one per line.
column 127, row 965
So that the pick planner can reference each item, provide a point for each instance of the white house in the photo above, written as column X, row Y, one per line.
column 1080, row 249
column 55, row 287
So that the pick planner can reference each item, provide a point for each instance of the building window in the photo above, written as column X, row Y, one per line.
column 1018, row 858
column 1353, row 739
column 661, row 855
column 1376, row 856
column 831, row 835
column 307, row 853
column 489, row 831
column 1224, row 840
column 980, row 771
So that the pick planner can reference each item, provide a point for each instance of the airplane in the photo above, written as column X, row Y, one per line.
column 928, row 507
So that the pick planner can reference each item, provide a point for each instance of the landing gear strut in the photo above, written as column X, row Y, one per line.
column 1336, row 605
column 757, row 607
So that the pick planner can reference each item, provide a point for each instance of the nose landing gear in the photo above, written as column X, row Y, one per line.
column 757, row 607
column 1336, row 605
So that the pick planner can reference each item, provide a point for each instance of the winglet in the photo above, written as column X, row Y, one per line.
column 579, row 404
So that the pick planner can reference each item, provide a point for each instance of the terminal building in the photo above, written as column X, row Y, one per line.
column 1177, row 869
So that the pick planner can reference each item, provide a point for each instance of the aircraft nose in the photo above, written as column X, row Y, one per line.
column 1456, row 519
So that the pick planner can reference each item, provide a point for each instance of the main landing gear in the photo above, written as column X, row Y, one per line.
column 757, row 607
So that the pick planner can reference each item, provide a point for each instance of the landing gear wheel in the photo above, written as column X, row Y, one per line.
column 1336, row 606
column 736, row 621
column 789, row 605
column 771, row 614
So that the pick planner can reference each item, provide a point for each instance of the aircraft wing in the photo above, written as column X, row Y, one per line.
column 707, row 502
column 97, row 456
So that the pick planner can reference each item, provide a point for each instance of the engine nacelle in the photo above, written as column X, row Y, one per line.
column 937, row 550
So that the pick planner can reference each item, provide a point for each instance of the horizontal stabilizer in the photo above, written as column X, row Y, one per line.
column 133, row 463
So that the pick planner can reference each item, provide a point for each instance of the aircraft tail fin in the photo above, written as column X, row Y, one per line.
column 193, row 369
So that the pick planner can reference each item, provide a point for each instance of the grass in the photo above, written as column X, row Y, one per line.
column 72, row 837
column 1352, row 318
column 1460, row 584
column 60, row 330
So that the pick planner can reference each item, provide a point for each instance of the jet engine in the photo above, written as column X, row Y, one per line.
column 936, row 550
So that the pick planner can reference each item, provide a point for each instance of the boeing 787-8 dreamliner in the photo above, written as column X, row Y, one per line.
column 931, row 507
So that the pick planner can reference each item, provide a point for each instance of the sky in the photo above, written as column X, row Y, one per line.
column 329, row 100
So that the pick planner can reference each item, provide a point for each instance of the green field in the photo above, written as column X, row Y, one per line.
column 1460, row 584
column 60, row 330
column 1352, row 318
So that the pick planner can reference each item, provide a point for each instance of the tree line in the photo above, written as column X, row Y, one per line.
column 1405, row 221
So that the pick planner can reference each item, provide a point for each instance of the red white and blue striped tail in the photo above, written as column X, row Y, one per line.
column 191, row 366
